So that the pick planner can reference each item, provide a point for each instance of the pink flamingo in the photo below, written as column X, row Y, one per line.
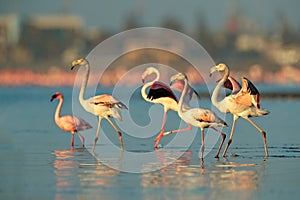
column 160, row 93
column 198, row 117
column 69, row 123
column 103, row 106
column 244, row 103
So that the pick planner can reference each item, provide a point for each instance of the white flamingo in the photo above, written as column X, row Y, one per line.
column 245, row 103
column 103, row 106
column 160, row 93
column 198, row 117
column 69, row 123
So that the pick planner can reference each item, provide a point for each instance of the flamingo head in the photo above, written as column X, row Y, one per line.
column 57, row 95
column 220, row 68
column 79, row 62
column 179, row 76
column 149, row 71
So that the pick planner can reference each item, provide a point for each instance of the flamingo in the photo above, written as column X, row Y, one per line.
column 198, row 117
column 245, row 103
column 160, row 93
column 69, row 123
column 103, row 106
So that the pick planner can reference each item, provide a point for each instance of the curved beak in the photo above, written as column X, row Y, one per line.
column 212, row 70
column 172, row 80
column 73, row 66
column 53, row 97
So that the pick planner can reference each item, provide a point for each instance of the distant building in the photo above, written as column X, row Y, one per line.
column 48, row 36
column 9, row 35
column 50, row 22
column 9, row 30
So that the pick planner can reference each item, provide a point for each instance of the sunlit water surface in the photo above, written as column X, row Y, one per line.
column 38, row 163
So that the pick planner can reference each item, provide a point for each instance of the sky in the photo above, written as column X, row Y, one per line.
column 110, row 14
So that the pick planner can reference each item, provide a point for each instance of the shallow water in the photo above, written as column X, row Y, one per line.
column 38, row 163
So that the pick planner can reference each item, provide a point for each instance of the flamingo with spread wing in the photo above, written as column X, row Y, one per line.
column 244, row 102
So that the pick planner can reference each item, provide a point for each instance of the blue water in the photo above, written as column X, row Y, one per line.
column 36, row 161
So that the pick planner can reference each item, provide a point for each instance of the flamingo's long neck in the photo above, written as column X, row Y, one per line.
column 180, row 103
column 84, row 84
column 144, row 88
column 58, row 109
column 214, row 96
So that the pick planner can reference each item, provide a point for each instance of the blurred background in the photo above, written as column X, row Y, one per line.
column 38, row 39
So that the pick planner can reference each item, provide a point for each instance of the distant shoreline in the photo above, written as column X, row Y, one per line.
column 59, row 78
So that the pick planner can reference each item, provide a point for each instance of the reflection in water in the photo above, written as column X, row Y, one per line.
column 65, row 161
column 173, row 181
column 181, row 179
column 242, row 179
column 215, row 181
column 230, row 177
column 167, row 176
column 77, row 178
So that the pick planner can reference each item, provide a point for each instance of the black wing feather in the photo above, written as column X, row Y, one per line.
column 160, row 92
column 251, row 88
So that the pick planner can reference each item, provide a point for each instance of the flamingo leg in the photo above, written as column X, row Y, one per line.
column 118, row 131
column 202, row 166
column 202, row 141
column 171, row 132
column 231, row 134
column 262, row 132
column 72, row 140
column 82, row 138
column 179, row 130
column 161, row 134
column 221, row 144
column 97, row 134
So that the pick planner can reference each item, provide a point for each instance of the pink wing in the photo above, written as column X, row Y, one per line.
column 104, row 98
column 232, row 84
column 159, row 85
column 203, row 115
column 159, row 90
column 248, row 94
column 243, row 99
column 73, row 124
column 107, row 100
